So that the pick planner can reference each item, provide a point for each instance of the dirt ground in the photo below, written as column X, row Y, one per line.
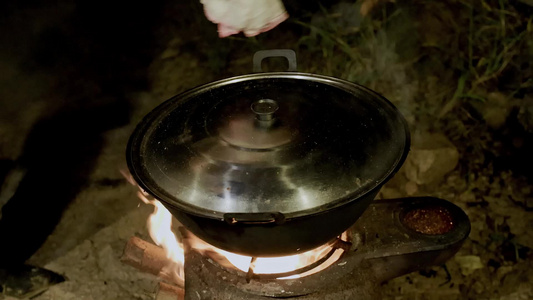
column 76, row 77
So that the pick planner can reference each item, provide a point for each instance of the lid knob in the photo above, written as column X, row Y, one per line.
column 264, row 109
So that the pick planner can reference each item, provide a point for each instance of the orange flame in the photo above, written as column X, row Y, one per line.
column 160, row 229
column 273, row 265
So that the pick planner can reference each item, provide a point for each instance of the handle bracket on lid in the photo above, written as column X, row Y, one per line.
column 289, row 54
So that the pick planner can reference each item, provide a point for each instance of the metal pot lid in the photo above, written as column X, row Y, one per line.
column 292, row 143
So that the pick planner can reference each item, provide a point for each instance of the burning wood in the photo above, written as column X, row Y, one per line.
column 160, row 224
column 149, row 258
column 160, row 228
column 152, row 259
column 169, row 292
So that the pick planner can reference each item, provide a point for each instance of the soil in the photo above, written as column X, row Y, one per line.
column 77, row 76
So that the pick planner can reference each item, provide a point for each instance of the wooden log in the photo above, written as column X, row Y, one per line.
column 144, row 256
column 169, row 292
column 152, row 259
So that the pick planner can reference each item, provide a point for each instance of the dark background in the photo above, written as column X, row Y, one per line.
column 74, row 76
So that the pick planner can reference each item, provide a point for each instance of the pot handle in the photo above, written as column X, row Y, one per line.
column 254, row 218
column 289, row 54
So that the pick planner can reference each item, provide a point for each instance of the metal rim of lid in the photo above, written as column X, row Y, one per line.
column 144, row 127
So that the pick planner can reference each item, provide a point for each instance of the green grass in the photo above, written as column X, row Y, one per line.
column 497, row 39
column 480, row 43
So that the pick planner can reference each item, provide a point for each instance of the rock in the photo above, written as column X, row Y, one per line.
column 525, row 237
column 516, row 284
column 502, row 271
column 389, row 193
column 478, row 287
column 432, row 156
column 478, row 230
column 467, row 196
column 411, row 188
column 468, row 264
column 496, row 110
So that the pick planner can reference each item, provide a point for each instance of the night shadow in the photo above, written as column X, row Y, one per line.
column 98, row 54
column 59, row 155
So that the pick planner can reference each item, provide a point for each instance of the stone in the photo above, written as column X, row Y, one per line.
column 432, row 156
column 496, row 110
column 469, row 263
column 411, row 188
column 467, row 196
column 389, row 193
column 478, row 287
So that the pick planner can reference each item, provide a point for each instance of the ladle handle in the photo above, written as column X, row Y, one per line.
column 289, row 54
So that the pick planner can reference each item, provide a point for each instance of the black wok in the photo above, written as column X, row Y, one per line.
column 269, row 164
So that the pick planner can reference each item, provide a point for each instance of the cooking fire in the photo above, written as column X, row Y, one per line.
column 270, row 179
column 368, row 251
column 160, row 229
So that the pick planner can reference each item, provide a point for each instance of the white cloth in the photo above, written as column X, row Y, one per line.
column 249, row 16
